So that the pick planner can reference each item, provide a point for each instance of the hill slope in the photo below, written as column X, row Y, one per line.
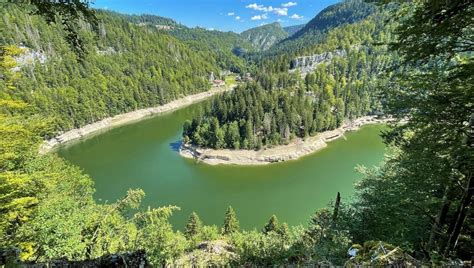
column 333, row 16
column 128, row 66
column 345, row 13
column 291, row 30
column 224, row 46
column 265, row 36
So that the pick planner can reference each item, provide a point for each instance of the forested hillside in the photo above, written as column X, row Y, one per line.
column 315, row 31
column 148, row 20
column 291, row 30
column 128, row 66
column 346, row 12
column 263, row 37
column 225, row 46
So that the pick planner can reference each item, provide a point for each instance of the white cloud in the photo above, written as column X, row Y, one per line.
column 237, row 17
column 230, row 14
column 257, row 7
column 289, row 4
column 260, row 17
column 281, row 11
column 296, row 17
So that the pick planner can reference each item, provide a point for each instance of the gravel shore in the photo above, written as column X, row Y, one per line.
column 126, row 118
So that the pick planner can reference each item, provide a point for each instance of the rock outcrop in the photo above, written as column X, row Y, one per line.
column 29, row 57
column 217, row 253
column 307, row 64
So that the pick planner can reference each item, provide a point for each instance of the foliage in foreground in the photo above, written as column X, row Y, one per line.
column 423, row 195
column 52, row 215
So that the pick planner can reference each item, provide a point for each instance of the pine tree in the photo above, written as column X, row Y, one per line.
column 231, row 223
column 194, row 226
column 272, row 225
column 283, row 230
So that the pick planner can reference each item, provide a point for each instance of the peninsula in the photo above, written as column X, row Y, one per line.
column 294, row 150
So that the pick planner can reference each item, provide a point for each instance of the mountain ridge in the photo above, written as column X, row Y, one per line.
column 265, row 36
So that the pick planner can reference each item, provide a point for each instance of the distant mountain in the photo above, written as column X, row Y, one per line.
column 333, row 16
column 338, row 15
column 265, row 36
column 291, row 30
column 227, row 46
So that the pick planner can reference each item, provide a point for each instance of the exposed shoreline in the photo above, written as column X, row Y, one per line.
column 294, row 150
column 126, row 118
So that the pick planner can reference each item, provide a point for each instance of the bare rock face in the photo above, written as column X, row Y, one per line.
column 164, row 27
column 29, row 57
column 216, row 247
column 107, row 51
column 307, row 64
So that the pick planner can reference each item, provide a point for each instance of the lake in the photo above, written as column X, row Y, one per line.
column 144, row 155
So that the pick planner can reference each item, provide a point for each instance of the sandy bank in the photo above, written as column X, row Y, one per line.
column 292, row 151
column 129, row 117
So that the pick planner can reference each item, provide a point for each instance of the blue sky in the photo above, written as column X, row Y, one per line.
column 224, row 15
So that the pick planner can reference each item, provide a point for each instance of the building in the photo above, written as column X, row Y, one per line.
column 218, row 83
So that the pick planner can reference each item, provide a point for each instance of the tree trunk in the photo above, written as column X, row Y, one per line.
column 336, row 206
column 440, row 219
column 461, row 216
column 455, row 229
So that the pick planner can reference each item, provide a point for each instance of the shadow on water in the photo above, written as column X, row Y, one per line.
column 175, row 145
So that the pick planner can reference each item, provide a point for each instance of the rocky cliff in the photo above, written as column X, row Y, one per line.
column 307, row 64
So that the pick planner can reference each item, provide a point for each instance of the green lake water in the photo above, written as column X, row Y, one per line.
column 144, row 155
